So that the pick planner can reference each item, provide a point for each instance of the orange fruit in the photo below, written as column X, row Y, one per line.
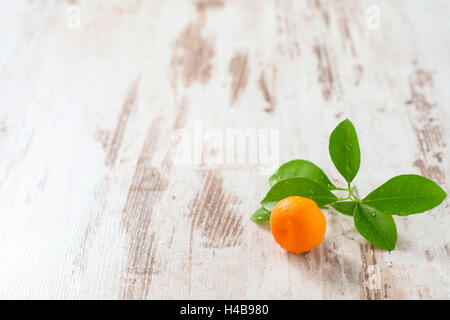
column 297, row 224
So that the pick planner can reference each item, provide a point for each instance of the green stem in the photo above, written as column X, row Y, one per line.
column 352, row 191
column 351, row 194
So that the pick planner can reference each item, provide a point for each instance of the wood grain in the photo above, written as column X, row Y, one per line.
column 93, row 203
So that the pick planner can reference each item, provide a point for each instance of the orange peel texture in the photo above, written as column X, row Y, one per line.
column 297, row 224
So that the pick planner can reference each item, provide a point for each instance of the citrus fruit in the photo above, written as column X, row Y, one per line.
column 297, row 224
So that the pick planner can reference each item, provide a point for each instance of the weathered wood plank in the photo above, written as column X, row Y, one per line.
column 93, row 203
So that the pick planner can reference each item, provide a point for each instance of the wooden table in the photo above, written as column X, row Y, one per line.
column 94, row 96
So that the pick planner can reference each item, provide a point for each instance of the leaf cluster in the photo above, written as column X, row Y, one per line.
column 372, row 215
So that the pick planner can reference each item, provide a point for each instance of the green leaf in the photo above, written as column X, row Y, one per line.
column 261, row 215
column 406, row 194
column 345, row 207
column 298, row 187
column 344, row 150
column 301, row 168
column 377, row 227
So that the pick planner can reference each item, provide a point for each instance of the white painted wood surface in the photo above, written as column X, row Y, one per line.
column 92, row 205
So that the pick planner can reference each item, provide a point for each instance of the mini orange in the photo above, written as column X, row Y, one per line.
column 297, row 224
